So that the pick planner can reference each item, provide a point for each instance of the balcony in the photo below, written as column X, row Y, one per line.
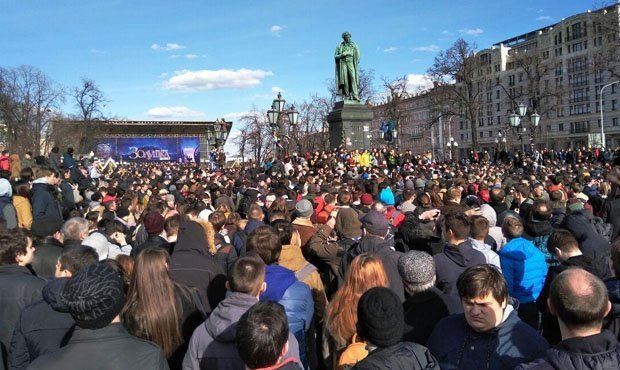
column 580, row 130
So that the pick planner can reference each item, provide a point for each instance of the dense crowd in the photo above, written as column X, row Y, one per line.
column 359, row 259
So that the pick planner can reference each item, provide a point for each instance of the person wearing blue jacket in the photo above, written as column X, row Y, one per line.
column 488, row 334
column 525, row 269
column 284, row 288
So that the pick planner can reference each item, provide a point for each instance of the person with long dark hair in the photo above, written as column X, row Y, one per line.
column 158, row 308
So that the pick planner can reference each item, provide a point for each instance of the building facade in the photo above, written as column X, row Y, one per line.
column 556, row 71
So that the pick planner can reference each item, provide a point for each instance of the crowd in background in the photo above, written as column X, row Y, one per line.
column 360, row 259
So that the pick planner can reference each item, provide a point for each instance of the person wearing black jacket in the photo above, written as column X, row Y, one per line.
column 580, row 302
column 43, row 194
column 18, row 286
column 193, row 263
column 46, row 235
column 590, row 242
column 565, row 248
column 95, row 297
column 457, row 255
column 46, row 325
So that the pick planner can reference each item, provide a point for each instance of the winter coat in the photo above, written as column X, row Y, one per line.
column 424, row 310
column 296, row 297
column 590, row 242
column 18, row 288
column 109, row 348
column 306, row 230
column 48, row 251
column 8, row 212
column 292, row 258
column 551, row 329
column 524, row 268
column 213, row 343
column 452, row 261
column 599, row 351
column 54, row 160
column 401, row 356
column 389, row 257
column 226, row 253
column 456, row 345
column 23, row 208
column 43, row 199
column 192, row 264
column 43, row 327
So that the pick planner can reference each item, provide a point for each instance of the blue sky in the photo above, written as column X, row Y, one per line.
column 201, row 60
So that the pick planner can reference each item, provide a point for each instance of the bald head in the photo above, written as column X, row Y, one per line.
column 579, row 299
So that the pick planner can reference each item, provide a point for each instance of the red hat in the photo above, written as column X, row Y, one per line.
column 366, row 199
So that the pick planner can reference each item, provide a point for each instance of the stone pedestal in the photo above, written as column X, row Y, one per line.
column 350, row 120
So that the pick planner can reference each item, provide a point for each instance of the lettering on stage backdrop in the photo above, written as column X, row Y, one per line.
column 149, row 149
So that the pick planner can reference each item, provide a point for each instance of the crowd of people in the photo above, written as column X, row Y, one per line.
column 345, row 259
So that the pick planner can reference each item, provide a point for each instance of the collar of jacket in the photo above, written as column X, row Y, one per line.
column 114, row 330
column 301, row 221
column 14, row 269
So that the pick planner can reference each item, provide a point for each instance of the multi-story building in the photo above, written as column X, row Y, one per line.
column 557, row 71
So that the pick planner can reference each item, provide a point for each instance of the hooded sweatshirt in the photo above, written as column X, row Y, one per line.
column 192, row 264
column 213, row 343
column 450, row 263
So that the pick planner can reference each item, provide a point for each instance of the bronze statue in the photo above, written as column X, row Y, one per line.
column 347, row 61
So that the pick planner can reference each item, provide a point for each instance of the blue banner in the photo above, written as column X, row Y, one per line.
column 149, row 149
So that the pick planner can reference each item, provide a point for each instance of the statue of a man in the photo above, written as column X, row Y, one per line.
column 347, row 61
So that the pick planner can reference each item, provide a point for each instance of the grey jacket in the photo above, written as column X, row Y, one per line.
column 213, row 343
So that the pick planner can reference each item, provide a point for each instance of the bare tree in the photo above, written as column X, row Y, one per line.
column 396, row 93
column 89, row 100
column 454, row 71
column 258, row 135
column 28, row 98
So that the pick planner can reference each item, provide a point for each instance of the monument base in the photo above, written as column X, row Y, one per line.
column 349, row 125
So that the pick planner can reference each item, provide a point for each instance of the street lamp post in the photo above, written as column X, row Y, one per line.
column 516, row 122
column 603, row 144
column 452, row 144
column 274, row 115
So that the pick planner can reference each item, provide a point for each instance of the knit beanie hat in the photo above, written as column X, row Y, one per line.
column 304, row 208
column 387, row 197
column 380, row 317
column 417, row 268
column 154, row 223
column 375, row 223
column 94, row 296
column 366, row 199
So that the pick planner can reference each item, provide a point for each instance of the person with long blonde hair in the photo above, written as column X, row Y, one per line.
column 365, row 272
column 159, row 309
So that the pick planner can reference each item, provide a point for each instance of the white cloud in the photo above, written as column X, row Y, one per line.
column 277, row 89
column 418, row 82
column 203, row 80
column 173, row 112
column 544, row 18
column 275, row 30
column 234, row 115
column 96, row 51
column 471, row 31
column 164, row 74
column 430, row 48
column 186, row 56
column 169, row 46
column 390, row 49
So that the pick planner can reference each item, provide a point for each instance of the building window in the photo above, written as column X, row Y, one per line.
column 490, row 133
column 613, row 104
column 497, row 94
column 561, row 127
column 614, row 121
column 481, row 134
column 498, row 106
